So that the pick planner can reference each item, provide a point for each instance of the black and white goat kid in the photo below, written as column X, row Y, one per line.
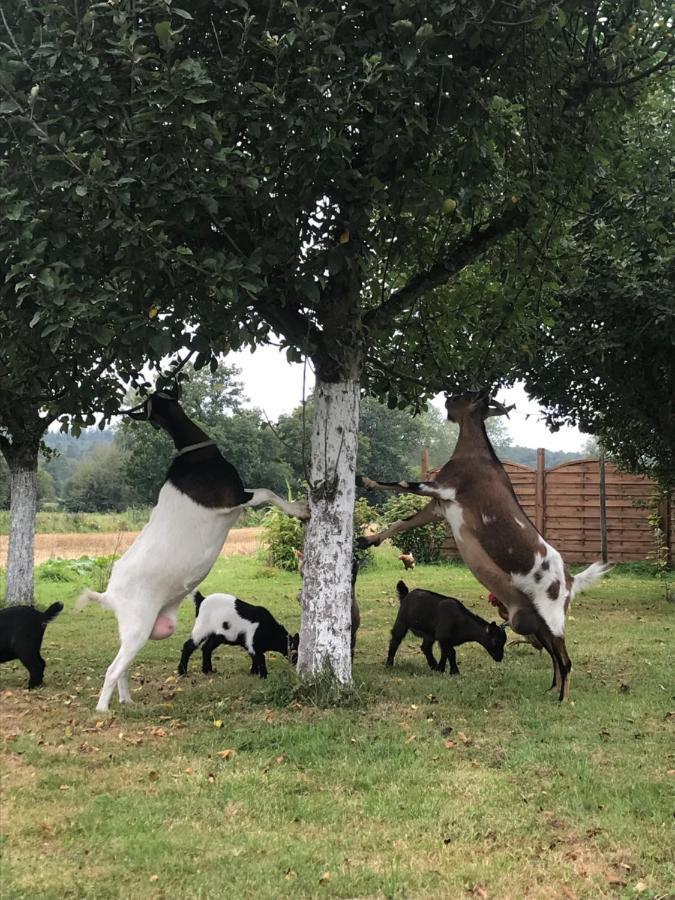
column 435, row 617
column 21, row 631
column 224, row 619
column 201, row 499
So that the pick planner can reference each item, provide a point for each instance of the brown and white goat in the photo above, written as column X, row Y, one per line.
column 500, row 545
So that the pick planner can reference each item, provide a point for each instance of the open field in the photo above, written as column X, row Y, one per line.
column 422, row 786
column 103, row 543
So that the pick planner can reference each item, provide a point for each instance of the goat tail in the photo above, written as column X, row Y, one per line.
column 198, row 598
column 583, row 580
column 89, row 596
column 402, row 590
column 51, row 612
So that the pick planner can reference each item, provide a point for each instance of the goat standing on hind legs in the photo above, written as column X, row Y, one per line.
column 201, row 499
column 499, row 544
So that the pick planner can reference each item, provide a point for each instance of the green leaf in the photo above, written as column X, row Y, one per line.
column 163, row 32
column 183, row 13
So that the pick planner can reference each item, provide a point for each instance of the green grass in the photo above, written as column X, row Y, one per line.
column 367, row 799
column 132, row 519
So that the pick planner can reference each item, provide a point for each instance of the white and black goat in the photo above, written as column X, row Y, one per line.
column 201, row 499
column 435, row 617
column 224, row 619
column 500, row 545
column 22, row 629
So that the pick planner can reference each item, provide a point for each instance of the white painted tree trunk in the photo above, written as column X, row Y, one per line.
column 21, row 549
column 326, row 590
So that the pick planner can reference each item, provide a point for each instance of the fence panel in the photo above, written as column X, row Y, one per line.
column 564, row 502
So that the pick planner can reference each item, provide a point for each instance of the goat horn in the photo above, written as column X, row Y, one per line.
column 125, row 412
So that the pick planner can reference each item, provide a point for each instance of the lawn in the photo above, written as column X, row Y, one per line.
column 420, row 786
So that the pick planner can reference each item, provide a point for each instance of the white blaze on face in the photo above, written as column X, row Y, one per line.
column 535, row 584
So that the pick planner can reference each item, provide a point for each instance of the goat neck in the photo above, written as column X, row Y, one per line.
column 181, row 429
column 473, row 440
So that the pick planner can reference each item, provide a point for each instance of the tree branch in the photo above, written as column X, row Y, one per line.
column 458, row 257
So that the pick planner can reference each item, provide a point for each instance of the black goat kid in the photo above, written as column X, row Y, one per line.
column 224, row 619
column 434, row 617
column 21, row 631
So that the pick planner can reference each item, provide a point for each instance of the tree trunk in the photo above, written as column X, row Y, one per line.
column 326, row 591
column 22, row 462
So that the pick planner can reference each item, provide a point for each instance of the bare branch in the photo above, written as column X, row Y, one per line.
column 457, row 258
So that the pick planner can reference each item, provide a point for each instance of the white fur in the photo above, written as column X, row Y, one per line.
column 168, row 559
column 487, row 520
column 584, row 579
column 454, row 515
column 445, row 493
column 519, row 521
column 551, row 611
column 218, row 611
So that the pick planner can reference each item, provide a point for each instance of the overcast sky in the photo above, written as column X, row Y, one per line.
column 275, row 386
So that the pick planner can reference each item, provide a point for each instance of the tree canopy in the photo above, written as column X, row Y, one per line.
column 607, row 363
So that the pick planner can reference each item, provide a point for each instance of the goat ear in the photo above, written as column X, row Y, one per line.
column 495, row 408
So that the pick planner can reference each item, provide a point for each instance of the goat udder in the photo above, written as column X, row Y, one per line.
column 164, row 627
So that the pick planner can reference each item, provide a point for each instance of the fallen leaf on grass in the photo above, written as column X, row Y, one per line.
column 153, row 776
column 290, row 873
column 226, row 754
column 217, row 723
column 154, row 878
column 568, row 892
column 324, row 878
column 410, row 739
column 640, row 887
column 211, row 778
column 463, row 738
column 614, row 879
column 450, row 745
column 64, row 787
column 478, row 891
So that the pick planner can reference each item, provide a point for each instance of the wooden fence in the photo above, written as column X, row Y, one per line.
column 588, row 514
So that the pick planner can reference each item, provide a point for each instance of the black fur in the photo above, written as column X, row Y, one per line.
column 434, row 617
column 22, row 629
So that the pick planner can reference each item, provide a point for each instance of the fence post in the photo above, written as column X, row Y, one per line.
column 540, row 491
column 603, row 508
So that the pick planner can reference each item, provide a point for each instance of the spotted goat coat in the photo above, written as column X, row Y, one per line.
column 497, row 541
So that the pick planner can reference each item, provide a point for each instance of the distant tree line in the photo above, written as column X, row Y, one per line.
column 113, row 469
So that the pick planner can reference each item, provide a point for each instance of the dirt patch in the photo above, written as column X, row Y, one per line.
column 241, row 542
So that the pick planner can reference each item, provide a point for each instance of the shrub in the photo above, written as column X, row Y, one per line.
column 424, row 543
column 283, row 536
column 95, row 569
column 364, row 515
